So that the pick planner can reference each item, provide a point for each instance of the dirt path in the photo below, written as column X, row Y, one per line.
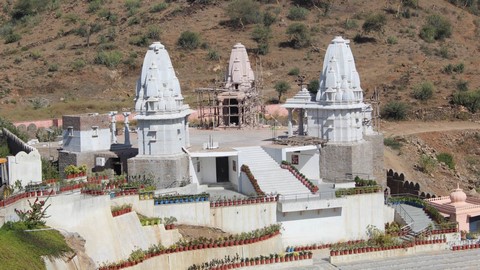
column 413, row 127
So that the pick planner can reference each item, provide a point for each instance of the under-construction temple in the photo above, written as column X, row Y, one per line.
column 236, row 102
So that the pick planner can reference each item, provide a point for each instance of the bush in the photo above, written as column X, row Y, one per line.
column 94, row 6
column 436, row 28
column 392, row 40
column 109, row 59
column 269, row 18
column 140, row 41
column 462, row 85
column 132, row 6
column 294, row 71
column 297, row 13
column 78, row 64
column 350, row 24
column 262, row 34
column 25, row 8
column 12, row 37
column 449, row 69
column 158, row 7
column 189, row 40
column 392, row 143
column 243, row 12
column 394, row 110
column 299, row 35
column 153, row 32
column 53, row 68
column 213, row 55
column 446, row 158
column 427, row 164
column 313, row 86
column 375, row 23
column 468, row 99
column 423, row 91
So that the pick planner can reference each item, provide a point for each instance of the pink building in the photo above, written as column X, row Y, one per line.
column 459, row 208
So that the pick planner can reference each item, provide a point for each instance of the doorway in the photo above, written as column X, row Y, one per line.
column 222, row 169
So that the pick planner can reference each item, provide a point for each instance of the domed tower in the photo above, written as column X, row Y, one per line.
column 162, row 119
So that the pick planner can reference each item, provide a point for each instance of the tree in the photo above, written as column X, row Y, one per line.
column 436, row 28
column 394, row 110
column 375, row 23
column 313, row 86
column 262, row 34
column 299, row 35
column 281, row 88
column 243, row 12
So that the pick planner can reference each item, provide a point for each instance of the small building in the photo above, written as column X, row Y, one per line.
column 459, row 208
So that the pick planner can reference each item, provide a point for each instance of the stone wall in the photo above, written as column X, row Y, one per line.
column 398, row 185
column 167, row 172
column 337, row 160
column 378, row 164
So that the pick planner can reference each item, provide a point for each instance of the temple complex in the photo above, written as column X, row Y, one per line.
column 234, row 103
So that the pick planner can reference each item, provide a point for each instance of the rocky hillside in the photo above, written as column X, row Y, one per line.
column 64, row 56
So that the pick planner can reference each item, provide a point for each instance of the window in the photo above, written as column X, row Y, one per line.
column 295, row 159
column 70, row 131
column 94, row 131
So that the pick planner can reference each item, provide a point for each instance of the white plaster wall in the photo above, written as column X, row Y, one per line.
column 25, row 167
column 276, row 153
column 71, row 143
column 243, row 218
column 208, row 170
column 233, row 173
column 194, row 213
column 338, row 224
column 246, row 186
column 336, row 123
column 90, row 143
column 169, row 136
column 308, row 161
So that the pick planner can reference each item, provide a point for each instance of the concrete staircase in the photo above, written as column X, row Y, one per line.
column 413, row 216
column 271, row 178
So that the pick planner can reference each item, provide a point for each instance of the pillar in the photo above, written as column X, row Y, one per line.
column 127, row 128
column 220, row 113
column 290, row 127
column 113, row 127
column 300, row 123
column 187, row 133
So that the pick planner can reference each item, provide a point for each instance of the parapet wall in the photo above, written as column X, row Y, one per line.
column 398, row 185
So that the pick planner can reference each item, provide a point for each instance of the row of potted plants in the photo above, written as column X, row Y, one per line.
column 172, row 199
column 50, row 181
column 359, row 182
column 466, row 246
column 237, row 262
column 357, row 190
column 121, row 209
column 140, row 255
column 367, row 249
column 300, row 176
column 419, row 242
column 252, row 180
column 243, row 201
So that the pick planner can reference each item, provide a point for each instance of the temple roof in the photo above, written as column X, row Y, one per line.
column 339, row 80
column 240, row 74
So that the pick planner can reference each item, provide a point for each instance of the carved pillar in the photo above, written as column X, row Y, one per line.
column 290, row 128
column 240, row 114
column 113, row 126
column 127, row 128
column 300, row 123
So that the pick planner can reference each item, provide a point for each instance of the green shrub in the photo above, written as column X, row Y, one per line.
column 449, row 69
column 446, row 158
column 26, row 8
column 132, row 6
column 462, row 85
column 410, row 3
column 53, row 68
column 374, row 23
column 294, row 71
column 110, row 59
column 423, row 91
column 78, row 64
column 262, row 34
column 213, row 55
column 299, row 35
column 158, row 7
column 350, row 24
column 436, row 28
column 243, row 12
column 94, row 6
column 140, row 41
column 468, row 99
column 392, row 143
column 394, row 110
column 153, row 32
column 313, row 86
column 427, row 164
column 281, row 88
column 12, row 37
column 392, row 40
column 189, row 40
column 269, row 19
column 297, row 13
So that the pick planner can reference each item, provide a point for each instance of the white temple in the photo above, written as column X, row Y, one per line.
column 162, row 123
column 240, row 74
column 161, row 114
column 337, row 114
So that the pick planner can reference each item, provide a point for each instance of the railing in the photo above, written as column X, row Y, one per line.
column 406, row 217
column 305, row 197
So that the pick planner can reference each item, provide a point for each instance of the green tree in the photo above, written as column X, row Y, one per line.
column 374, row 23
column 313, row 86
column 281, row 88
column 243, row 12
column 262, row 34
column 189, row 40
column 299, row 35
